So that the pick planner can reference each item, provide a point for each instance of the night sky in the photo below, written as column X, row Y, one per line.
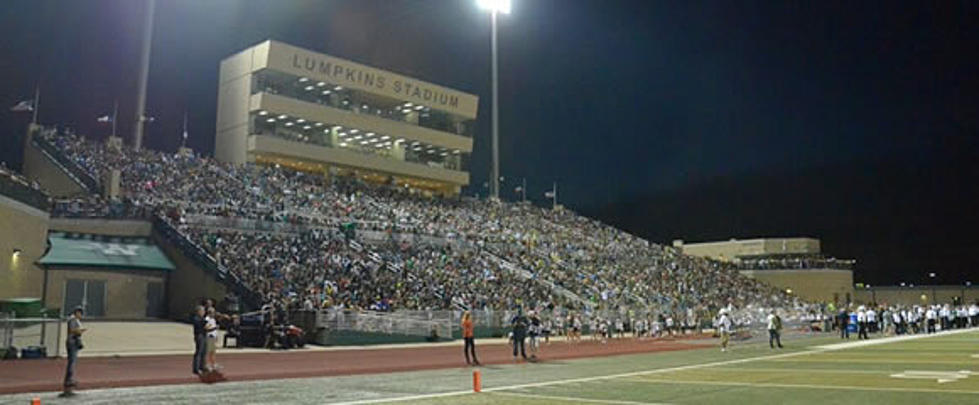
column 853, row 122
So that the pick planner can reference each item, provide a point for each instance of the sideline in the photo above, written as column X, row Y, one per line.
column 817, row 349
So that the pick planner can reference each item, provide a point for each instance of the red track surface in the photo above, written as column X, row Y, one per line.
column 19, row 376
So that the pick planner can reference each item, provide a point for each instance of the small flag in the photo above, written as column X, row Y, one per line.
column 104, row 118
column 26, row 105
column 549, row 194
column 518, row 189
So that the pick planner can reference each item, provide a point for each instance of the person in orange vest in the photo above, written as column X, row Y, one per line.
column 469, row 338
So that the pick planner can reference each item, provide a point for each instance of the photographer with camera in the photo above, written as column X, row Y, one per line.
column 73, row 344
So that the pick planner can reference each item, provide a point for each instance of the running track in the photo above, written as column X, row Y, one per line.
column 18, row 376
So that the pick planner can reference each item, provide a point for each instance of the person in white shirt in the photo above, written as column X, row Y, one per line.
column 774, row 330
column 724, row 326
column 898, row 322
column 862, row 323
column 944, row 314
column 930, row 317
column 973, row 315
column 211, row 328
column 872, row 320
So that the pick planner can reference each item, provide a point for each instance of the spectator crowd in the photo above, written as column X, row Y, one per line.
column 297, row 236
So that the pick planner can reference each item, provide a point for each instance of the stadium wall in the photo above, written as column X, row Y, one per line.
column 188, row 283
column 23, row 228
column 918, row 295
column 732, row 249
column 824, row 285
column 232, row 115
column 38, row 167
column 97, row 226
column 126, row 291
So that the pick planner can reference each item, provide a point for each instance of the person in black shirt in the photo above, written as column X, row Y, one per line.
column 519, row 325
column 200, row 338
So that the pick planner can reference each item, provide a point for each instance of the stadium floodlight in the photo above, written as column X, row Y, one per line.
column 495, row 7
column 499, row 6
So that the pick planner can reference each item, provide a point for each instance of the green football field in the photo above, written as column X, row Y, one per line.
column 921, row 370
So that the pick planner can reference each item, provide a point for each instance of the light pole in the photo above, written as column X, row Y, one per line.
column 144, row 73
column 933, row 290
column 494, row 7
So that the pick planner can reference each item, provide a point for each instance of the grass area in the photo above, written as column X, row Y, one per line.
column 931, row 370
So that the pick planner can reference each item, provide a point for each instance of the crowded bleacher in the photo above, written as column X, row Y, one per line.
column 342, row 242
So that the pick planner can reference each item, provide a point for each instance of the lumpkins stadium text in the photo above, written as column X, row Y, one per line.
column 379, row 81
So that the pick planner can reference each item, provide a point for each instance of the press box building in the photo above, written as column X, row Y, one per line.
column 281, row 104
column 829, row 280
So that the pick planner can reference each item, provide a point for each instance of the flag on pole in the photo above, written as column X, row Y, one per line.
column 518, row 189
column 549, row 194
column 105, row 118
column 26, row 105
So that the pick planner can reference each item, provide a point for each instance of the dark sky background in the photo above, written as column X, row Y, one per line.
column 853, row 122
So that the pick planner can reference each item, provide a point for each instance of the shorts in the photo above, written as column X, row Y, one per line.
column 211, row 344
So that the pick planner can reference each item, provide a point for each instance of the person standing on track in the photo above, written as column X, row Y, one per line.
column 724, row 326
column 519, row 325
column 872, row 326
column 774, row 330
column 469, row 338
column 862, row 323
column 73, row 344
column 576, row 328
column 211, row 328
column 534, row 330
column 843, row 320
column 200, row 339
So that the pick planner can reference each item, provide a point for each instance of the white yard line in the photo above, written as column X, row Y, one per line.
column 405, row 398
column 806, row 386
column 807, row 370
column 817, row 349
column 892, row 339
column 575, row 399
